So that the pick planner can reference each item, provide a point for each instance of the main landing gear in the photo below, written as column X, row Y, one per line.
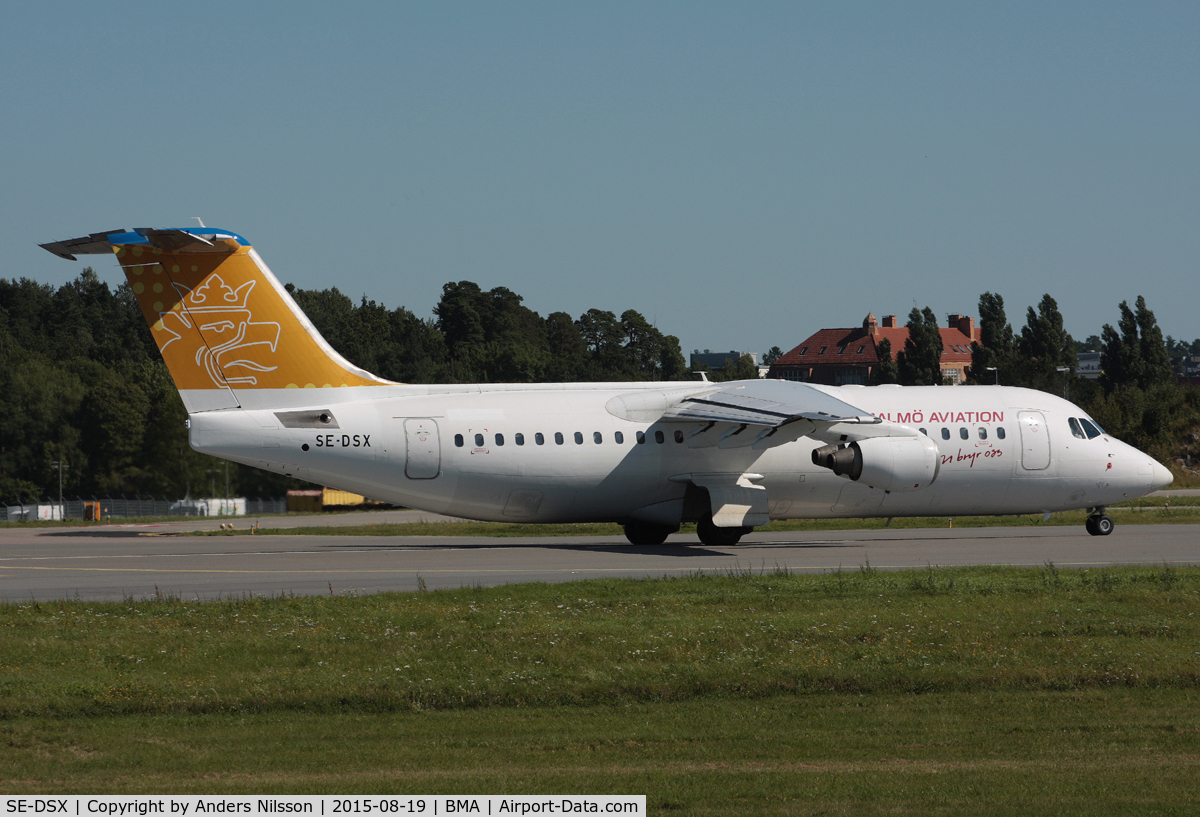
column 713, row 536
column 1099, row 523
column 646, row 533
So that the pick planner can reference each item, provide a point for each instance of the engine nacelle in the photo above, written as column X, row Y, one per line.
column 888, row 463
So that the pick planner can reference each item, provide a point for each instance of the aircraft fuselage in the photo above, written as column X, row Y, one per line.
column 561, row 454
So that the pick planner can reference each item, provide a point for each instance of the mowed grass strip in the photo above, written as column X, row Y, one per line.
column 610, row 642
column 1105, row 751
column 963, row 691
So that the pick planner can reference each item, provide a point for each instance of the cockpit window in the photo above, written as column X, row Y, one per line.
column 1075, row 429
column 1090, row 428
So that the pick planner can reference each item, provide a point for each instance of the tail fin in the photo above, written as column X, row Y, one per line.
column 227, row 329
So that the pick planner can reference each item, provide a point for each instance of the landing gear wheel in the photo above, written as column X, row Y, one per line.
column 644, row 533
column 1100, row 525
column 714, row 536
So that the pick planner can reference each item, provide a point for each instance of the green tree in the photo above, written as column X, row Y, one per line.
column 1135, row 353
column 415, row 351
column 673, row 366
column 920, row 364
column 1044, row 338
column 112, row 422
column 516, row 350
column 650, row 355
column 995, row 348
column 887, row 371
column 1156, row 360
column 490, row 336
column 773, row 354
column 1140, row 403
column 604, row 337
column 1044, row 347
column 40, row 402
column 569, row 360
column 460, row 317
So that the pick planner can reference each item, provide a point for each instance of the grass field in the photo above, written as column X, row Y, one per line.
column 967, row 690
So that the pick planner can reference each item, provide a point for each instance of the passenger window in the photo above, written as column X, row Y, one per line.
column 982, row 433
column 539, row 438
column 966, row 435
column 458, row 440
column 1075, row 429
column 499, row 439
column 619, row 437
column 658, row 437
column 1093, row 431
column 479, row 441
column 678, row 436
column 945, row 433
column 1000, row 432
column 558, row 438
column 519, row 438
column 597, row 437
column 578, row 438
column 641, row 438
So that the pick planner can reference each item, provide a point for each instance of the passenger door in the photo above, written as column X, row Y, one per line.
column 1035, row 441
column 424, row 453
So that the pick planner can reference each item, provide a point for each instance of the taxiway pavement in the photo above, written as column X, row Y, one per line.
column 113, row 562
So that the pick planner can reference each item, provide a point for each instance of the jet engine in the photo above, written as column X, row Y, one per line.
column 887, row 463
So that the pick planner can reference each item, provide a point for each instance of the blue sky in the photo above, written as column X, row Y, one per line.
column 741, row 174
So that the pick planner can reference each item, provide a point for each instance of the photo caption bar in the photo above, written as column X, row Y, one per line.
column 431, row 805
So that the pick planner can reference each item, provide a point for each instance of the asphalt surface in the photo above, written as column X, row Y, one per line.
column 113, row 562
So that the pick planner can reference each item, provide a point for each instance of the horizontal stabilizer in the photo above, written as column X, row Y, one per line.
column 88, row 245
column 172, row 241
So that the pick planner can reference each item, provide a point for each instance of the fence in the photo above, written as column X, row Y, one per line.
column 108, row 507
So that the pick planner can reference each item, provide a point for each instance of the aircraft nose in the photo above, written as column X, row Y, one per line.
column 1162, row 476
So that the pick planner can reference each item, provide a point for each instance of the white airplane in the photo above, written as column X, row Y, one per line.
column 263, row 388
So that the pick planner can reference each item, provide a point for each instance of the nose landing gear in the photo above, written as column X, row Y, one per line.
column 1099, row 523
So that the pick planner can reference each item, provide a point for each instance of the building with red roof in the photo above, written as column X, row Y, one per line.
column 841, row 357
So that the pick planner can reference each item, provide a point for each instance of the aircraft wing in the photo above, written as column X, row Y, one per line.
column 769, row 403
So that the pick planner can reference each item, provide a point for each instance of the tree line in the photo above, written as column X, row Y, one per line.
column 82, row 382
column 479, row 336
